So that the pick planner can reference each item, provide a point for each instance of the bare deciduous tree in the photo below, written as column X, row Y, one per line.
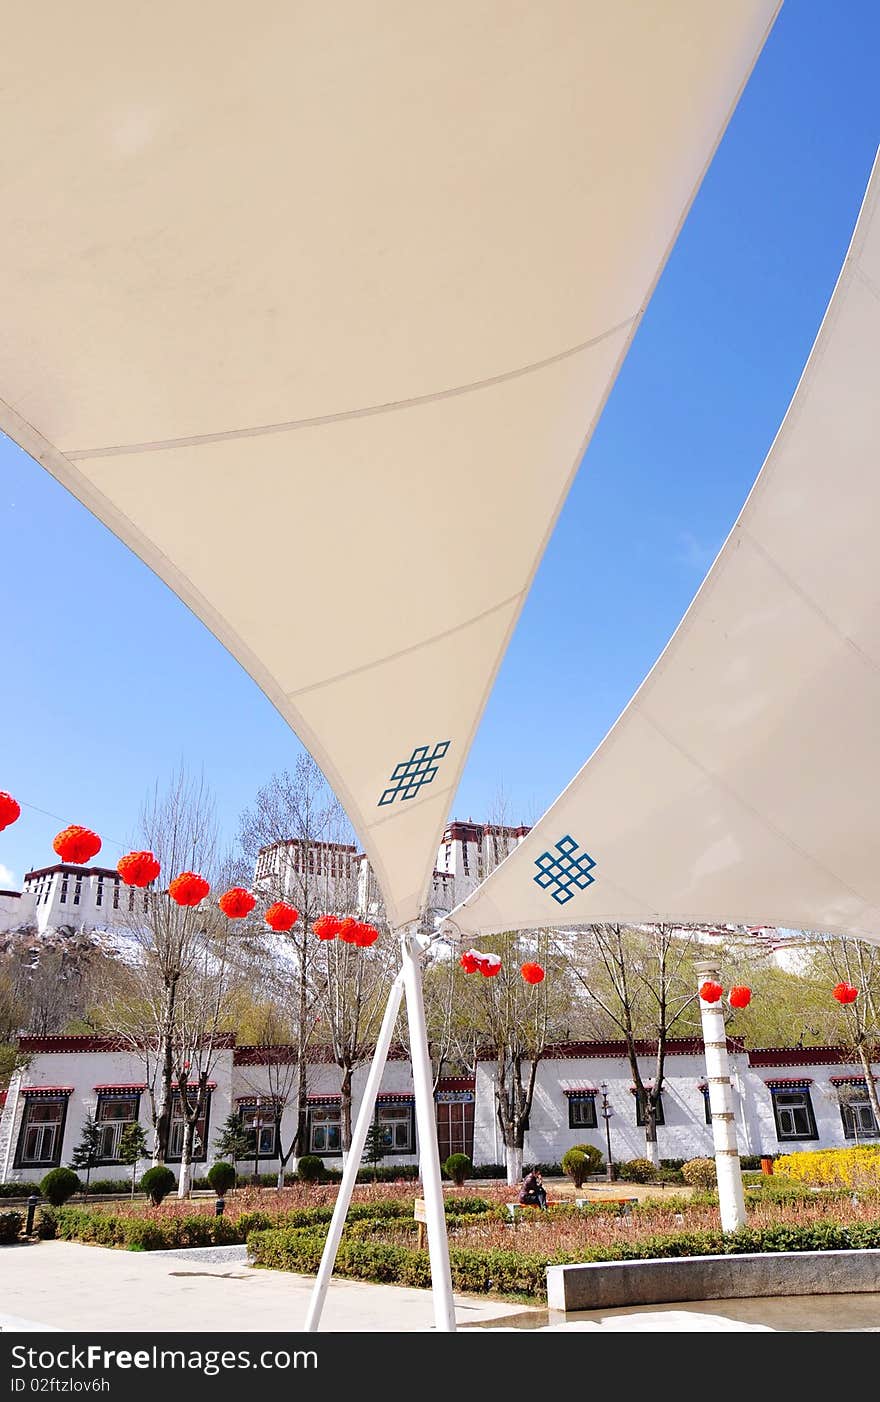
column 642, row 981
column 297, row 839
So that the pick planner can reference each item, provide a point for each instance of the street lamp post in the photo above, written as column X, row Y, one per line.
column 607, row 1112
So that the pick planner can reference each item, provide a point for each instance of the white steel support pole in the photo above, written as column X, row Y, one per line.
column 426, row 1124
column 353, row 1162
column 730, row 1186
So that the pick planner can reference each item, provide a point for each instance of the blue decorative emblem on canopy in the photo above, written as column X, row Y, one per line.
column 411, row 775
column 562, row 873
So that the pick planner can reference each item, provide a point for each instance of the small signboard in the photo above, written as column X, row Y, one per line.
column 419, row 1210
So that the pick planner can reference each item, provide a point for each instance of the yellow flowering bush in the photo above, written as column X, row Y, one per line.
column 836, row 1168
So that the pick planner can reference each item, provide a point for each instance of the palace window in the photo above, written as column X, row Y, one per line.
column 42, row 1131
column 259, row 1120
column 793, row 1112
column 325, row 1129
column 115, row 1113
column 856, row 1112
column 582, row 1111
column 200, row 1135
column 396, row 1123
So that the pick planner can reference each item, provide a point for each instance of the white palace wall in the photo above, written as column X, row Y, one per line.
column 71, row 1077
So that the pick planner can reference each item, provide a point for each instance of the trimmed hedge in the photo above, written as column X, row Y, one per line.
column 512, row 1273
column 173, row 1233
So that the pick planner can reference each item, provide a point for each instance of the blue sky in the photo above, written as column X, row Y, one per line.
column 109, row 680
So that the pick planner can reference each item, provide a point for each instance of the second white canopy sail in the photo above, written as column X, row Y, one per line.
column 741, row 784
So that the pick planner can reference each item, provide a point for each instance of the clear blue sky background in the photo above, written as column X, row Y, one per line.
column 109, row 680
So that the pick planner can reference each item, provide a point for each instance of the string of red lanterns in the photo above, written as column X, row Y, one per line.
column 351, row 931
column 10, row 811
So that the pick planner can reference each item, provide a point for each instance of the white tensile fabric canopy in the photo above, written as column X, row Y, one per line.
column 741, row 783
column 316, row 306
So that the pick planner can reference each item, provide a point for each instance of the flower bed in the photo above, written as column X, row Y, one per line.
column 858, row 1167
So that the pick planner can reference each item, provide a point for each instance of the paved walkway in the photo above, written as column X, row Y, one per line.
column 69, row 1286
column 66, row 1285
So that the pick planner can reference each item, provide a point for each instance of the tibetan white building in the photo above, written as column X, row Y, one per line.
column 785, row 1099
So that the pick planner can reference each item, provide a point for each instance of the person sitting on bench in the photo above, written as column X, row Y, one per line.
column 533, row 1193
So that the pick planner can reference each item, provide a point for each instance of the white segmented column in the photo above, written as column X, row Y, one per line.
column 730, row 1186
column 426, row 1124
column 353, row 1162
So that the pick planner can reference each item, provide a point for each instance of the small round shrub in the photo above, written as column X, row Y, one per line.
column 221, row 1177
column 157, row 1183
column 11, row 1224
column 593, row 1155
column 699, row 1173
column 576, row 1164
column 58, row 1185
column 310, row 1168
column 638, row 1171
column 459, row 1167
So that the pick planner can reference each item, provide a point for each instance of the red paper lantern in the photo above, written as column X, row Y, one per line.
column 710, row 992
column 77, row 845
column 365, row 935
column 281, row 916
column 138, row 868
column 490, row 965
column 532, row 973
column 189, row 888
column 845, row 993
column 348, row 930
column 10, row 811
column 326, row 927
column 236, row 903
column 740, row 997
column 470, row 962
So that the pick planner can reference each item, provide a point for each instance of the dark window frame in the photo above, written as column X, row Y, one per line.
column 55, row 1162
column 775, row 1093
column 324, row 1153
column 250, row 1131
column 392, row 1151
column 582, row 1100
column 847, row 1116
column 202, row 1155
column 103, row 1097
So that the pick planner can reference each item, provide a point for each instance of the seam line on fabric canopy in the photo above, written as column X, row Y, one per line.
column 196, row 440
column 810, row 602
column 868, row 281
column 744, row 803
column 405, row 651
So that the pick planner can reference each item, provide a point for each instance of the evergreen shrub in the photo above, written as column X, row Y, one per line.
column 58, row 1185
column 157, row 1183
